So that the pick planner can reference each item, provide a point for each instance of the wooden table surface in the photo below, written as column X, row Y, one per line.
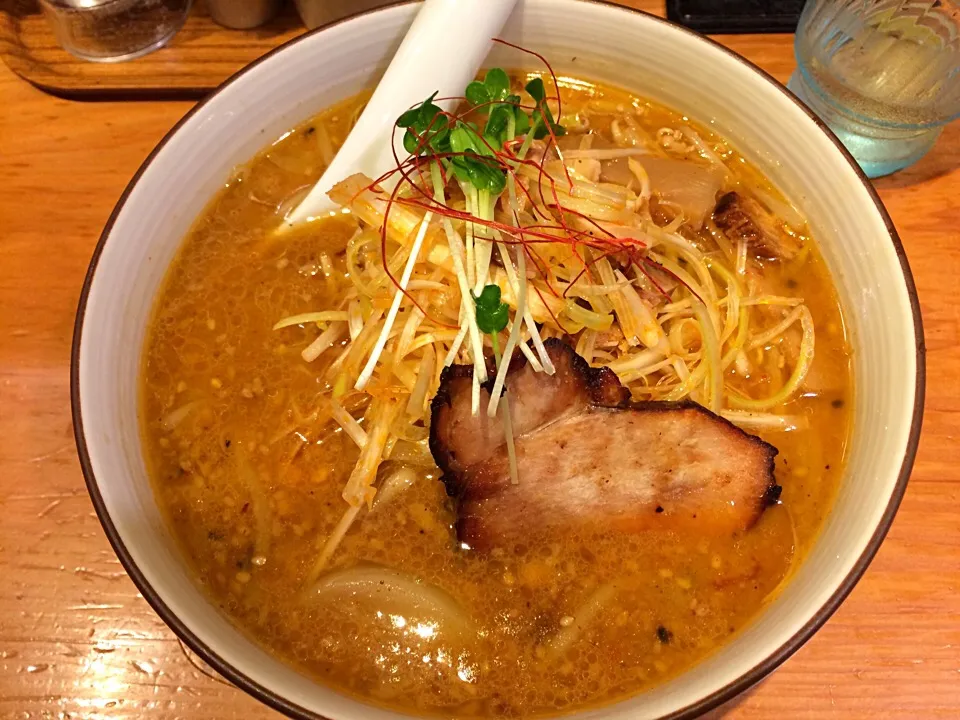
column 78, row 641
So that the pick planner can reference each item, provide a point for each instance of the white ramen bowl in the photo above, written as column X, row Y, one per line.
column 586, row 39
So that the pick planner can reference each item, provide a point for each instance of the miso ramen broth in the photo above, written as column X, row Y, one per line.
column 250, row 466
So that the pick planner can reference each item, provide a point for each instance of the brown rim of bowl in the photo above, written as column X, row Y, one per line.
column 715, row 699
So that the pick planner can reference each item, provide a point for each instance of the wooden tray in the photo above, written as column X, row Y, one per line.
column 201, row 56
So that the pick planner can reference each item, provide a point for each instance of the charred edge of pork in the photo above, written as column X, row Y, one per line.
column 731, row 217
column 441, row 454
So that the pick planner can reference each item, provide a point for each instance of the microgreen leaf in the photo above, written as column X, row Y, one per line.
column 496, row 126
column 461, row 139
column 537, row 90
column 495, row 87
column 465, row 138
column 482, row 145
column 541, row 129
column 492, row 95
column 425, row 127
column 543, row 118
column 487, row 177
column 522, row 121
column 479, row 172
column 497, row 84
column 499, row 118
column 410, row 142
column 477, row 93
column 428, row 111
column 409, row 118
column 492, row 315
column 461, row 169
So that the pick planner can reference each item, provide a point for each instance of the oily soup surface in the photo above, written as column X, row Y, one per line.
column 249, row 470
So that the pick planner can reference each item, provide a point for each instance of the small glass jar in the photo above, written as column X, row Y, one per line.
column 114, row 30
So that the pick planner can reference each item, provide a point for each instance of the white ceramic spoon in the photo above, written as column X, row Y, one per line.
column 442, row 52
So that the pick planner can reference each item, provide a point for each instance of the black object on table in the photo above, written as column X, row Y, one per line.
column 736, row 16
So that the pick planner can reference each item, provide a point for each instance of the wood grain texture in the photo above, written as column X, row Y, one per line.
column 76, row 639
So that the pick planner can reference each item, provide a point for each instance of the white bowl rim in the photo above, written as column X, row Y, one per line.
column 695, row 709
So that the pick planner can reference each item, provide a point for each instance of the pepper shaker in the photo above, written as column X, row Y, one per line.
column 243, row 14
column 319, row 12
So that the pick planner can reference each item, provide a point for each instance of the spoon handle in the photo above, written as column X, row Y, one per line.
column 442, row 52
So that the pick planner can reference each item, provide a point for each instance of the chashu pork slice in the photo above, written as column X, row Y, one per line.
column 588, row 456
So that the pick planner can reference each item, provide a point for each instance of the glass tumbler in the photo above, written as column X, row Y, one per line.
column 114, row 30
column 883, row 74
